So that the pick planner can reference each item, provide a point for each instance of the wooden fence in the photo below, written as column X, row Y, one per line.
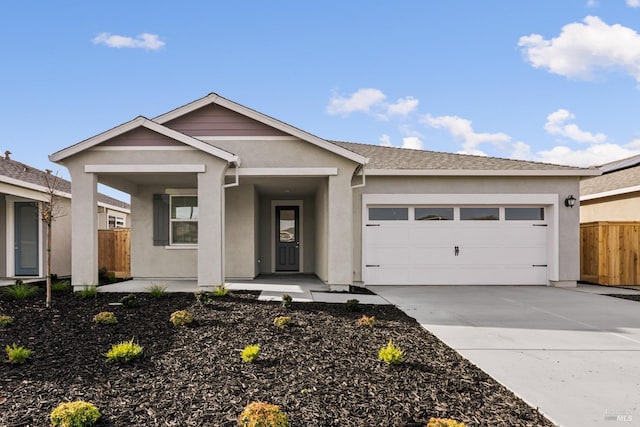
column 114, row 251
column 610, row 253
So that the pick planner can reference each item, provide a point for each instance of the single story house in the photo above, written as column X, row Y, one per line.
column 220, row 191
column 614, row 195
column 22, row 233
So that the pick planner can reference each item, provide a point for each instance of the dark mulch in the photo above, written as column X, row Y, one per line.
column 634, row 297
column 323, row 371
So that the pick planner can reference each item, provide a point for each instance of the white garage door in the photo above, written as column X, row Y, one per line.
column 423, row 245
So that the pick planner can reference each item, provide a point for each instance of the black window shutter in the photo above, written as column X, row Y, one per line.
column 160, row 219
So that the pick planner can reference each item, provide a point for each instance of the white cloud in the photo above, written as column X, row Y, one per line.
column 582, row 48
column 412, row 142
column 592, row 3
column 521, row 151
column 633, row 3
column 597, row 154
column 462, row 129
column 557, row 125
column 403, row 106
column 142, row 41
column 361, row 100
column 385, row 141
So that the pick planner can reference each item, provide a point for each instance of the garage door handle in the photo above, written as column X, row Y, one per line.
column 456, row 250
column 373, row 225
column 539, row 265
column 373, row 265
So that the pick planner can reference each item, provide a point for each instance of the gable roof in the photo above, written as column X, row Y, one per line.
column 610, row 184
column 404, row 161
column 19, row 174
column 620, row 164
column 214, row 98
column 139, row 122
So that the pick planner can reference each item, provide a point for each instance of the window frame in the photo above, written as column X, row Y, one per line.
column 118, row 221
column 181, row 220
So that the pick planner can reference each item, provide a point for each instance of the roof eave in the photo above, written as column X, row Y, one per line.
column 483, row 172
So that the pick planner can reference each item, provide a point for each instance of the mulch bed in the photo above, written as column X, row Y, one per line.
column 322, row 371
column 633, row 297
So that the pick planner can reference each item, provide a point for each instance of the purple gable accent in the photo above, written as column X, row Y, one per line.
column 214, row 120
column 140, row 137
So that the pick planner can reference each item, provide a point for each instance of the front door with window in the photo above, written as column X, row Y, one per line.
column 26, row 241
column 287, row 238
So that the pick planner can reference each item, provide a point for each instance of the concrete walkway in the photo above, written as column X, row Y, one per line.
column 301, row 287
column 570, row 352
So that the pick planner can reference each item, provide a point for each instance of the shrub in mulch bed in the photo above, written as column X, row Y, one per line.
column 321, row 371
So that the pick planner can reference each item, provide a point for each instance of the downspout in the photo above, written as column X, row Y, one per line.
column 236, row 182
column 360, row 167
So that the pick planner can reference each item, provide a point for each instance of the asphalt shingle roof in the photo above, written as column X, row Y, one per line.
column 403, row 158
column 611, row 181
column 25, row 173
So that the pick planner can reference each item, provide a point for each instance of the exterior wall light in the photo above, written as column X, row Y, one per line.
column 570, row 201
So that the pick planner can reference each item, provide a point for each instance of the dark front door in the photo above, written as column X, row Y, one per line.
column 26, row 242
column 287, row 238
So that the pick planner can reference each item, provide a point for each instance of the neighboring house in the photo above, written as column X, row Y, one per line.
column 22, row 233
column 220, row 191
column 613, row 196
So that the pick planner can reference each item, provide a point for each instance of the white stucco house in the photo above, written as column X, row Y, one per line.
column 22, row 235
column 220, row 191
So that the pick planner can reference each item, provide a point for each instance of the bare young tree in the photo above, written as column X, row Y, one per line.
column 50, row 209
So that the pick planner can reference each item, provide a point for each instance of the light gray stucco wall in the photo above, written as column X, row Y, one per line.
column 240, row 232
column 322, row 231
column 3, row 236
column 569, row 229
column 60, row 240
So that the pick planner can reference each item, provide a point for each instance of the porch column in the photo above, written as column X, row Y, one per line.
column 210, row 227
column 84, row 229
column 340, row 230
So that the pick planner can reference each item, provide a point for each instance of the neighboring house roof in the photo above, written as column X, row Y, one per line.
column 620, row 164
column 619, row 181
column 403, row 161
column 23, row 175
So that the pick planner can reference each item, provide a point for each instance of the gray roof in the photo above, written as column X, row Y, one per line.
column 28, row 174
column 403, row 158
column 616, row 180
column 620, row 164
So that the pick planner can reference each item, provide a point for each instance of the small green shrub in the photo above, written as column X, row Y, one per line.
column 250, row 353
column 181, row 317
column 261, row 414
column 286, row 300
column 220, row 291
column 366, row 321
column 129, row 301
column 88, row 291
column 124, row 351
column 5, row 321
column 157, row 291
column 74, row 414
column 21, row 290
column 282, row 321
column 60, row 286
column 203, row 297
column 391, row 354
column 352, row 305
column 105, row 318
column 17, row 354
column 444, row 422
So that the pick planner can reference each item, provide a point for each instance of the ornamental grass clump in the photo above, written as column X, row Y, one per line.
column 5, row 321
column 88, row 291
column 391, row 354
column 157, row 291
column 366, row 321
column 21, row 290
column 105, row 318
column 124, row 351
column 282, row 321
column 181, row 318
column 250, row 353
column 74, row 414
column 444, row 422
column 17, row 354
column 262, row 414
column 61, row 286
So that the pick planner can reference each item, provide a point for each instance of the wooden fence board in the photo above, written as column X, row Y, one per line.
column 114, row 251
column 610, row 252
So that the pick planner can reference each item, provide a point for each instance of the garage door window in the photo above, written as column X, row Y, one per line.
column 524, row 214
column 434, row 214
column 479, row 214
column 389, row 214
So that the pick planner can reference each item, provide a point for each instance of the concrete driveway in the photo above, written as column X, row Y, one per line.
column 571, row 353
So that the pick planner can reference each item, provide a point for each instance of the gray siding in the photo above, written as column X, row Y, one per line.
column 140, row 137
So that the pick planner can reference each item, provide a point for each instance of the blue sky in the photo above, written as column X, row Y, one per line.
column 545, row 80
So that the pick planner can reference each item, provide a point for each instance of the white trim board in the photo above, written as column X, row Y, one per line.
column 301, row 172
column 144, row 168
column 610, row 193
column 482, row 172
